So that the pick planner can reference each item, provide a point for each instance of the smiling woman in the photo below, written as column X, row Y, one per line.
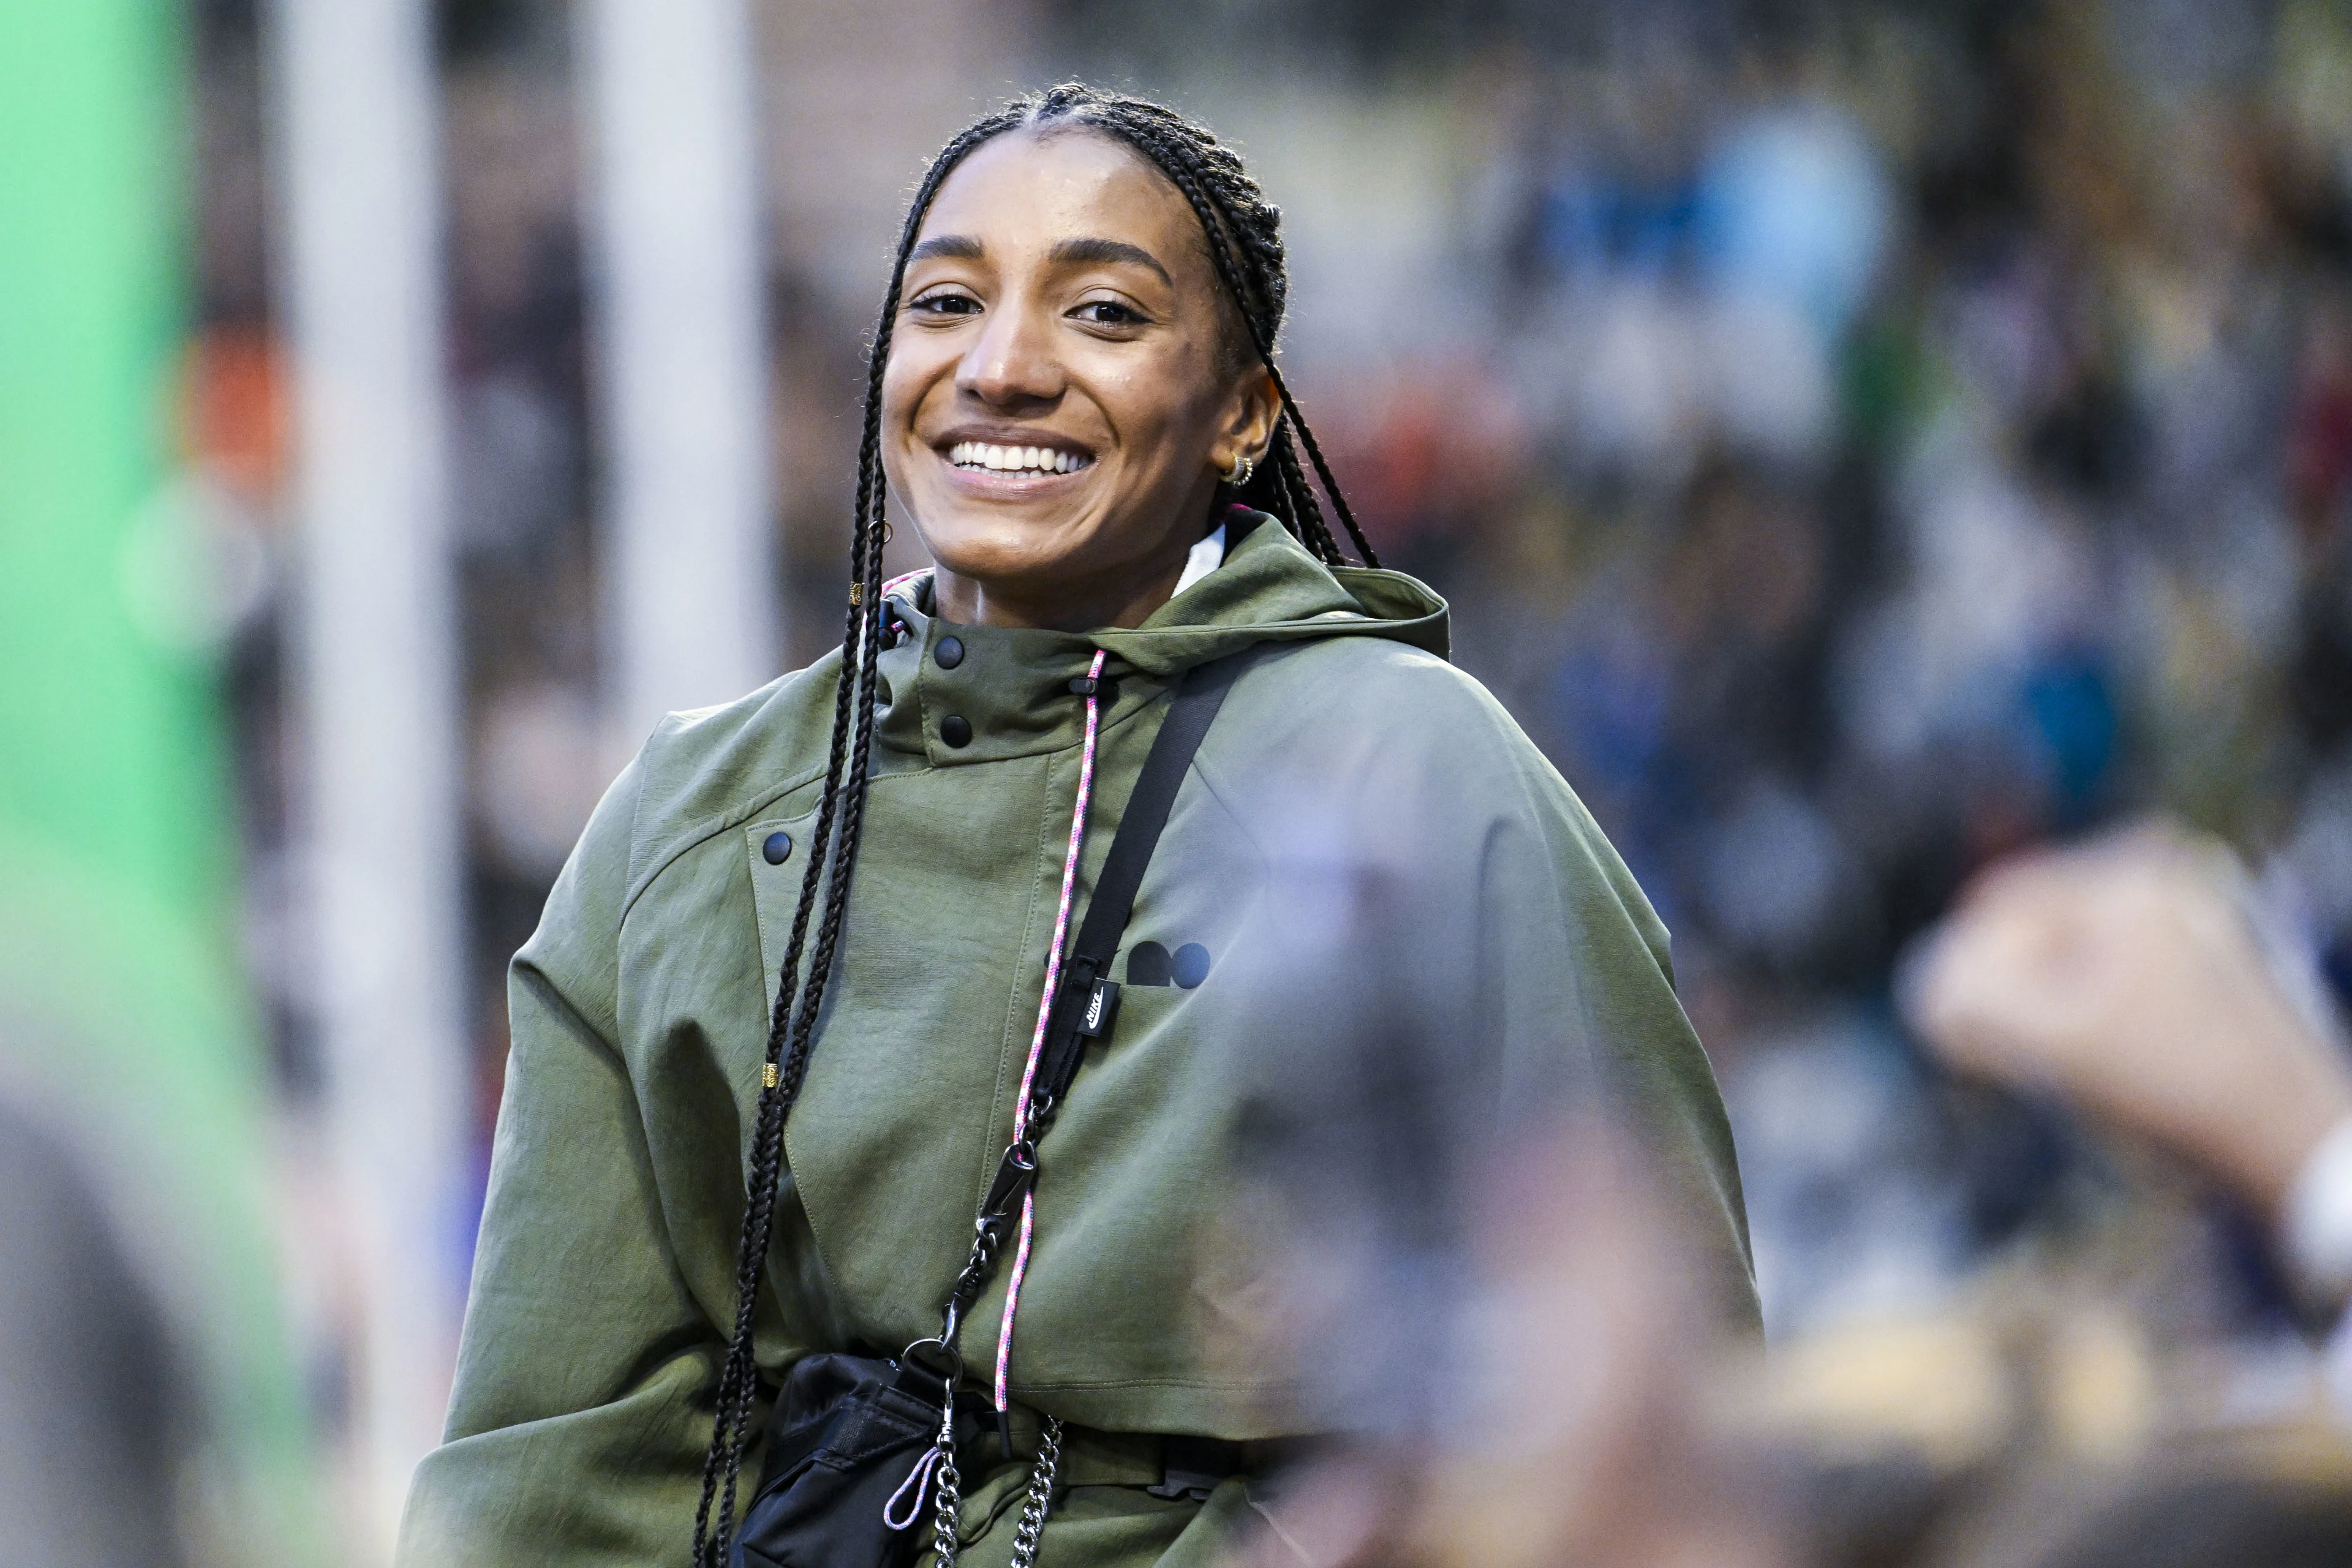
column 1142, row 819
column 1091, row 388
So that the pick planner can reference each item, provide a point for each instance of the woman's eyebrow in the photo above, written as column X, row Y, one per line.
column 1083, row 250
column 955, row 246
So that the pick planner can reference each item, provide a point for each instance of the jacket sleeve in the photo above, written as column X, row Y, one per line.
column 1457, row 965
column 1577, row 982
column 577, row 1426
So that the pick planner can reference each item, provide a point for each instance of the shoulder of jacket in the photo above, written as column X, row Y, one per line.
column 706, row 770
column 1403, row 688
column 1362, row 708
column 1369, row 707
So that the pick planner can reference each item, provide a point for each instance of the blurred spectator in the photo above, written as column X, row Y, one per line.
column 2127, row 979
column 95, row 1423
column 1580, row 1416
column 2039, row 1424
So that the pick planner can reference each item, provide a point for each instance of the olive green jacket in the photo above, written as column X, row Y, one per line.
column 1349, row 755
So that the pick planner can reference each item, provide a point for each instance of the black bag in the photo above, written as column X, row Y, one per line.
column 845, row 1441
column 848, row 1433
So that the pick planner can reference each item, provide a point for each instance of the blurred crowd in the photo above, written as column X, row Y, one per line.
column 1929, row 441
column 1860, row 442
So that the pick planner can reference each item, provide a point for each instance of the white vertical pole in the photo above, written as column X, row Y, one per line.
column 360, row 155
column 675, row 321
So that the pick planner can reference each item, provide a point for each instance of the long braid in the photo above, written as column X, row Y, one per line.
column 1282, row 457
column 791, row 1028
column 735, row 1377
column 1245, row 246
column 734, row 1394
column 1322, row 470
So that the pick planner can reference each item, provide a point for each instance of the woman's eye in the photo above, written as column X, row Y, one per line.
column 1107, row 313
column 946, row 305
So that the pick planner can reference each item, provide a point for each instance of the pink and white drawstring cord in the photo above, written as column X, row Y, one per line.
column 1045, row 1013
column 928, row 1467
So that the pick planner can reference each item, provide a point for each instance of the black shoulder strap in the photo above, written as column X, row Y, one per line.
column 1088, row 1001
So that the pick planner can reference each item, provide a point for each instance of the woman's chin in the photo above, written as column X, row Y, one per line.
column 997, row 547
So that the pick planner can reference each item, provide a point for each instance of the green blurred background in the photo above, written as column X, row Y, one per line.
column 124, row 1009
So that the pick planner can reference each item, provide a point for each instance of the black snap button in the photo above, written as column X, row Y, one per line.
column 1191, row 965
column 778, row 846
column 950, row 653
column 956, row 730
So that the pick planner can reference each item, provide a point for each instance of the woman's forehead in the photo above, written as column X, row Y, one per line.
column 1029, row 190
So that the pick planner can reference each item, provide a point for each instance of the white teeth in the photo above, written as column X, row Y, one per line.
column 1014, row 460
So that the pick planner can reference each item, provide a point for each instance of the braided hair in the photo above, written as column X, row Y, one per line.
column 1243, row 233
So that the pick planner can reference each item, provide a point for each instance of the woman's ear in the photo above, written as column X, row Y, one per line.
column 1250, row 417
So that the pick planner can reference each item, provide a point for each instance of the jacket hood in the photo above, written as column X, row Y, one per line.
column 1269, row 589
column 1000, row 692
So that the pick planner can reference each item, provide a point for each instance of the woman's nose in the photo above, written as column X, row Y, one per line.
column 1012, row 362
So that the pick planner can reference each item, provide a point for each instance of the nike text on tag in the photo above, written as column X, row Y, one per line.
column 1102, row 1009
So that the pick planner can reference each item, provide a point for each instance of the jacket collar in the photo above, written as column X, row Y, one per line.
column 1011, row 688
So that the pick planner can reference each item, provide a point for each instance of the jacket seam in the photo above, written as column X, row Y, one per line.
column 1226, row 804
column 702, row 832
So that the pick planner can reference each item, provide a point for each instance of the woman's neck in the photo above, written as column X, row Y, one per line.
column 1058, row 600
column 1058, row 606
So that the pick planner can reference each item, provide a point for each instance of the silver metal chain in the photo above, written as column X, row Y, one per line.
column 1041, row 1495
column 947, row 1494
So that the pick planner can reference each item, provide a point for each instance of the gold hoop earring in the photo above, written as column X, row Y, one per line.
column 1244, row 467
